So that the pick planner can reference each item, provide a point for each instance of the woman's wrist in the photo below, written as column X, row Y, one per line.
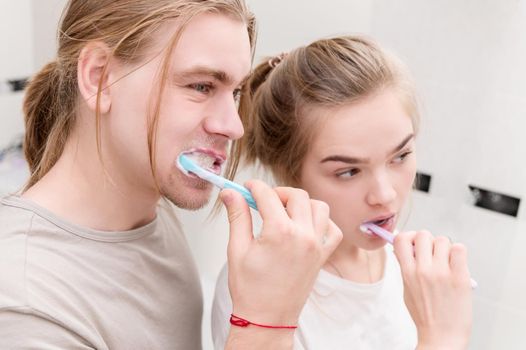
column 440, row 347
column 443, row 343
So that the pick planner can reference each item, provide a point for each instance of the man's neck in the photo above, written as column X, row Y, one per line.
column 83, row 191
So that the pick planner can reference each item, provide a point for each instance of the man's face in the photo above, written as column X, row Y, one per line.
column 198, row 110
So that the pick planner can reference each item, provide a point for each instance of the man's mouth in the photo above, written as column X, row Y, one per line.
column 206, row 158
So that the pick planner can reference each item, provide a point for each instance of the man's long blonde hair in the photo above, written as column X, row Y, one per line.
column 127, row 28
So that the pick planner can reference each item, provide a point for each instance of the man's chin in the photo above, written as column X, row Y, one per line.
column 191, row 205
column 190, row 202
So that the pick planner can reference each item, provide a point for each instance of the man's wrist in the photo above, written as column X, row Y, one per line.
column 258, row 338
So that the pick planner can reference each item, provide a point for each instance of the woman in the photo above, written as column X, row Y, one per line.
column 338, row 118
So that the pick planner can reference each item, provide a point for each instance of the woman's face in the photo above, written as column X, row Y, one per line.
column 362, row 164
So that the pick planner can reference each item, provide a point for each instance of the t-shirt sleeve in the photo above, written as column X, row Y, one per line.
column 221, row 310
column 26, row 329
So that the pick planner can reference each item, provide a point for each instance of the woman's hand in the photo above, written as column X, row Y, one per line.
column 437, row 289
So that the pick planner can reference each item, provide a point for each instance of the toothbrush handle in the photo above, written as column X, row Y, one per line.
column 244, row 192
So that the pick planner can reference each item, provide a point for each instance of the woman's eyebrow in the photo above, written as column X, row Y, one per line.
column 344, row 159
column 356, row 160
column 403, row 143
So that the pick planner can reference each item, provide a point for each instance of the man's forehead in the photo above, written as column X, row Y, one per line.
column 214, row 44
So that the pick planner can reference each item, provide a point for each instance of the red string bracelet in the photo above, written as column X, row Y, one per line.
column 241, row 322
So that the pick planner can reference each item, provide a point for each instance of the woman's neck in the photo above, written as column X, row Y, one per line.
column 356, row 264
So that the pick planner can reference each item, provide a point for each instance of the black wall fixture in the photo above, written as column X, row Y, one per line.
column 495, row 201
column 18, row 84
column 13, row 85
column 422, row 182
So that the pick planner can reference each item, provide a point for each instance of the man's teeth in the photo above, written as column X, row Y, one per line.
column 203, row 160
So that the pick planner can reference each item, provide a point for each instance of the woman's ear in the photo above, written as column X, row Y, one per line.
column 93, row 71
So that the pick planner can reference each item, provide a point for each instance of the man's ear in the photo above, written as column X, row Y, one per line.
column 94, row 70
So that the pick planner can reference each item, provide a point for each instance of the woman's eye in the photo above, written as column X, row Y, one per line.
column 348, row 173
column 400, row 158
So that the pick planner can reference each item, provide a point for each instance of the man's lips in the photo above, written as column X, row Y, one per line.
column 206, row 158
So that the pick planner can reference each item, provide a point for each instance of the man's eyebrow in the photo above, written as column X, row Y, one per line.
column 355, row 160
column 216, row 74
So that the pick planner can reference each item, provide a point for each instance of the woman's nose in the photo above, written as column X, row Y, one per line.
column 381, row 191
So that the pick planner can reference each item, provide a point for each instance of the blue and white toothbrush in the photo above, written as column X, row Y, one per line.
column 389, row 237
column 187, row 165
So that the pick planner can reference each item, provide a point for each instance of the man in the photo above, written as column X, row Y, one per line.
column 90, row 259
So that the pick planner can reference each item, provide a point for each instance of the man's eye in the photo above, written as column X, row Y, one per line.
column 201, row 87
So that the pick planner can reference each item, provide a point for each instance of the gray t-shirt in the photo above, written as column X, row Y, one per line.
column 68, row 287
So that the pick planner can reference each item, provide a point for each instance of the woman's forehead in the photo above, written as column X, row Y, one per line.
column 371, row 124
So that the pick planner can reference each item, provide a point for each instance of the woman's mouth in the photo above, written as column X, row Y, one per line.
column 387, row 222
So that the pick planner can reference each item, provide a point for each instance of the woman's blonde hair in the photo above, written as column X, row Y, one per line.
column 327, row 73
column 126, row 27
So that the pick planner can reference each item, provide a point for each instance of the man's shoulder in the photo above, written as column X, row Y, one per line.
column 13, row 218
column 19, row 226
column 25, row 239
column 15, row 224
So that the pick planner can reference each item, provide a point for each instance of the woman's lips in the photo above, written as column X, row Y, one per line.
column 386, row 222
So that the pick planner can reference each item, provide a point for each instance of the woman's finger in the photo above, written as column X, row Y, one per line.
column 424, row 249
column 404, row 250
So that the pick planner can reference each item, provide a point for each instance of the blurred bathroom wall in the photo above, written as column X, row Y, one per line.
column 469, row 62
column 16, row 60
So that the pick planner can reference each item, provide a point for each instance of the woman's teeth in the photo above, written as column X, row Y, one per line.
column 381, row 222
